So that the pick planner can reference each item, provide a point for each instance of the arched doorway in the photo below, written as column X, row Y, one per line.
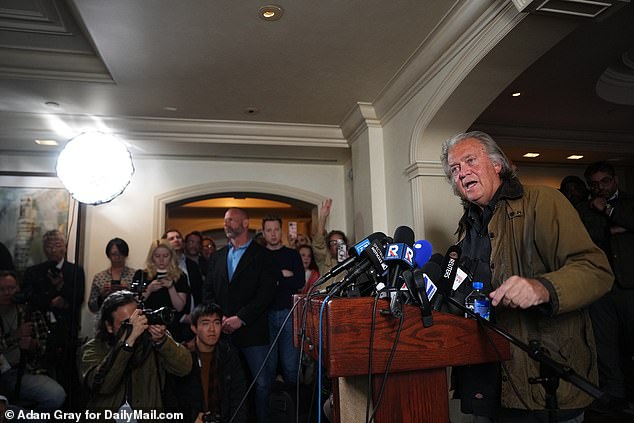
column 205, row 213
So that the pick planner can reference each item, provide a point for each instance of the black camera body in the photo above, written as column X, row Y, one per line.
column 162, row 316
column 138, row 286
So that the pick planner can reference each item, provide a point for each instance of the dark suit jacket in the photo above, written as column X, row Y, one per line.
column 249, row 295
column 195, row 281
column 39, row 292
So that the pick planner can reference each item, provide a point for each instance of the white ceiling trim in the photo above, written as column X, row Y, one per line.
column 439, row 48
column 64, row 66
column 361, row 117
column 549, row 138
column 477, row 43
column 181, row 130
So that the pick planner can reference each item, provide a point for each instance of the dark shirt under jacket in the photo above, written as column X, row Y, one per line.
column 289, row 259
column 248, row 295
column 195, row 278
column 186, row 393
column 64, row 323
column 614, row 234
column 479, row 379
column 39, row 292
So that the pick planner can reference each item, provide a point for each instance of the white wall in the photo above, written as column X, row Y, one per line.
column 131, row 216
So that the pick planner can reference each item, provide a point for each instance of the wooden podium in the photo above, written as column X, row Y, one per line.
column 416, row 390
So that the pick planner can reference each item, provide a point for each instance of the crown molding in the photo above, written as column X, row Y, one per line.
column 358, row 119
column 456, row 31
column 424, row 168
column 44, row 40
column 547, row 138
column 177, row 130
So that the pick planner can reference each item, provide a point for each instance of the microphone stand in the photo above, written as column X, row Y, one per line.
column 550, row 371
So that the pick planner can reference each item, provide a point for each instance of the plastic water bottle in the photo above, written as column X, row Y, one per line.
column 478, row 301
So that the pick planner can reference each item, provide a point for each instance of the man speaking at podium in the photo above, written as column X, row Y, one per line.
column 542, row 271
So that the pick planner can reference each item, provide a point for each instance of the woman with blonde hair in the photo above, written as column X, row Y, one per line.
column 162, row 283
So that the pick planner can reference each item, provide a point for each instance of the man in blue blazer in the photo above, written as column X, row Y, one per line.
column 241, row 279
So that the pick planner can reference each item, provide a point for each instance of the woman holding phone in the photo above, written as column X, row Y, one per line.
column 162, row 283
column 118, row 276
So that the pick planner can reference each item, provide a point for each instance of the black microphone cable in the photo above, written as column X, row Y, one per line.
column 387, row 368
column 370, row 352
column 266, row 358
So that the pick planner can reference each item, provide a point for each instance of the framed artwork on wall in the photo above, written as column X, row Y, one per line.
column 30, row 205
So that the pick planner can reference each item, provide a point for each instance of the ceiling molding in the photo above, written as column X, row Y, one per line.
column 424, row 168
column 42, row 40
column 483, row 36
column 53, row 65
column 32, row 16
column 616, row 83
column 446, row 41
column 361, row 117
column 179, row 130
column 548, row 138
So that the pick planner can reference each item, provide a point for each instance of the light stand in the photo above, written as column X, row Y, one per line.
column 95, row 168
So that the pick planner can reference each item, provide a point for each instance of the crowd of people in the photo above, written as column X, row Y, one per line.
column 189, row 311
column 193, row 327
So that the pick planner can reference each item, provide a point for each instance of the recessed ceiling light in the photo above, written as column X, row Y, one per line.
column 531, row 155
column 170, row 108
column 251, row 111
column 46, row 142
column 516, row 94
column 575, row 157
column 271, row 12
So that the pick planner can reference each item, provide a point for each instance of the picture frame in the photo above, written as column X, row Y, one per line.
column 31, row 204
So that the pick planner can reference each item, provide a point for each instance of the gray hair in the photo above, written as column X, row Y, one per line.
column 493, row 150
column 52, row 235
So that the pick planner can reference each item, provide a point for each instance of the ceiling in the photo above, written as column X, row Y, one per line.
column 559, row 111
column 133, row 65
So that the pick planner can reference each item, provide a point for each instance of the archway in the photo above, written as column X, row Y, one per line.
column 208, row 202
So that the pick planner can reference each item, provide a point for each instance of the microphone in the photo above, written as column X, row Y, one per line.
column 422, row 252
column 370, row 257
column 424, row 279
column 400, row 254
column 449, row 267
column 415, row 283
column 464, row 277
column 354, row 252
column 464, row 273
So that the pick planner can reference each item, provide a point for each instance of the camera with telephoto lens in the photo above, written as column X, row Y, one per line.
column 162, row 316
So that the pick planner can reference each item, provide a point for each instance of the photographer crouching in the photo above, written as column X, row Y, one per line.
column 125, row 365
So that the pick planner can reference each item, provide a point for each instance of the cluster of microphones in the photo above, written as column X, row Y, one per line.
column 404, row 271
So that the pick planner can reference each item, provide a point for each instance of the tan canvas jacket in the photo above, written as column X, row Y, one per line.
column 536, row 233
